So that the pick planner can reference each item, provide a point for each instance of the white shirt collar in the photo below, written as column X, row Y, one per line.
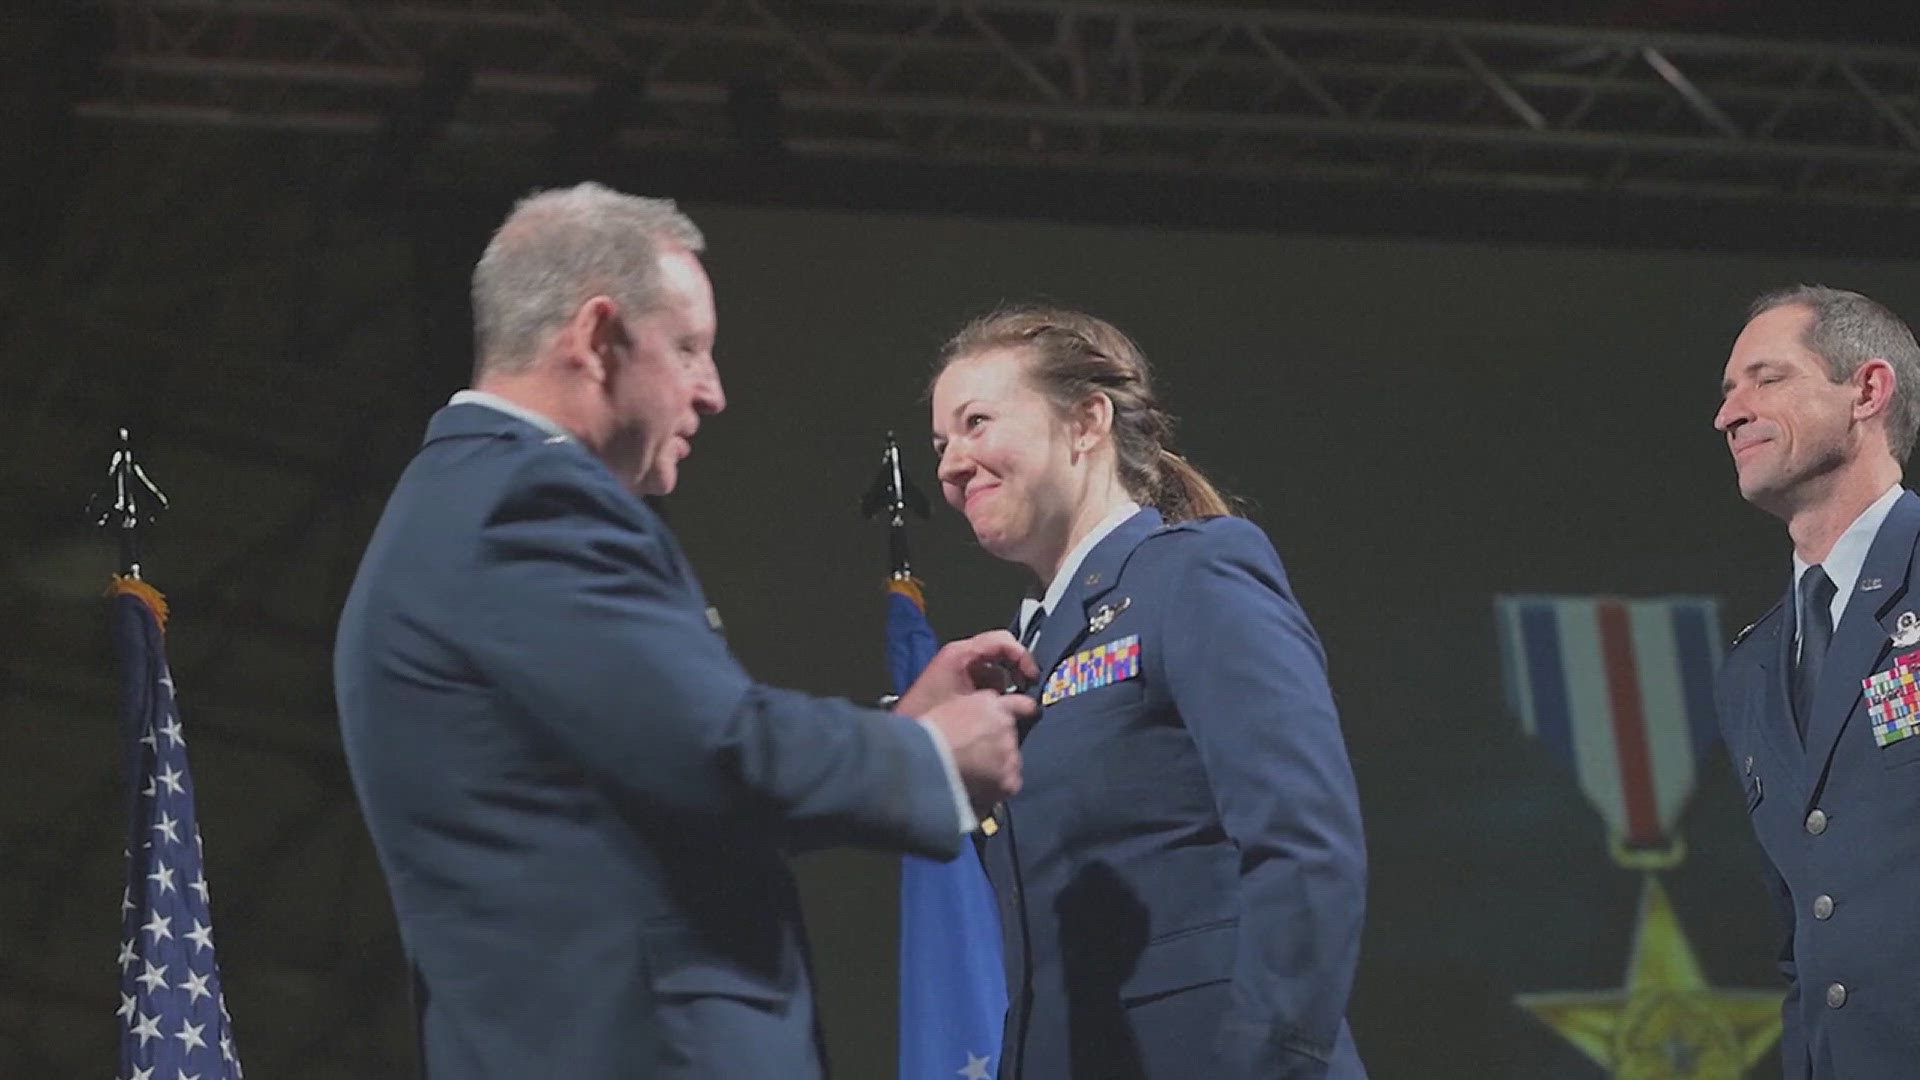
column 1078, row 555
column 1849, row 553
column 518, row 412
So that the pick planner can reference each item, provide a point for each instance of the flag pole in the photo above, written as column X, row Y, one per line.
column 893, row 496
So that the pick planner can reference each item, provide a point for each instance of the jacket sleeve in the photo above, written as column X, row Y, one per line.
column 1249, row 677
column 590, row 626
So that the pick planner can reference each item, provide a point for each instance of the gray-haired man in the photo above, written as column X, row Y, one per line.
column 577, row 794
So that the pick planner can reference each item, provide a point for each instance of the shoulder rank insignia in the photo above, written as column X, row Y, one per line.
column 1744, row 631
column 1104, row 615
column 1091, row 669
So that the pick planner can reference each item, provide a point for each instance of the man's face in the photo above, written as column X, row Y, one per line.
column 665, row 379
column 1787, row 423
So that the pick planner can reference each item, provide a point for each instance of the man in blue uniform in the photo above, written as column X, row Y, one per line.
column 1822, row 398
column 579, row 797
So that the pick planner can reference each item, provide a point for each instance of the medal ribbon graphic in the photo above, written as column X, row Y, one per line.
column 1622, row 691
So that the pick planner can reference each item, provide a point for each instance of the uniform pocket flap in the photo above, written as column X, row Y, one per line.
column 1183, row 959
column 717, row 979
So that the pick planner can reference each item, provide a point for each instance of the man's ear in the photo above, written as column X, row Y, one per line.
column 1874, row 384
column 597, row 337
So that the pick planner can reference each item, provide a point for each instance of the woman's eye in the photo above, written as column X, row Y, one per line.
column 976, row 419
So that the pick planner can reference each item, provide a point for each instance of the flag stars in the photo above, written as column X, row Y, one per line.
column 974, row 1069
column 163, row 876
column 170, row 776
column 196, row 987
column 171, row 729
column 147, row 1028
column 189, row 1035
column 199, row 886
column 154, row 979
column 125, row 1011
column 201, row 935
column 158, row 927
column 167, row 827
column 142, row 1074
column 126, row 954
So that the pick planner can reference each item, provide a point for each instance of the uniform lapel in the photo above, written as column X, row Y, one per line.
column 1066, row 625
column 1862, row 639
column 1776, row 661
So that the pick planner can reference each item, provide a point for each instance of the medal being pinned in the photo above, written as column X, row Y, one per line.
column 1906, row 630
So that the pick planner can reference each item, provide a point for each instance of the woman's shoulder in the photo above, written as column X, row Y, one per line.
column 1208, row 538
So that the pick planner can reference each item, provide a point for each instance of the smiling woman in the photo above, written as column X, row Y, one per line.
column 1181, row 878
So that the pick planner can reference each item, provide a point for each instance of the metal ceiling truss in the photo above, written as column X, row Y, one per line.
column 1101, row 84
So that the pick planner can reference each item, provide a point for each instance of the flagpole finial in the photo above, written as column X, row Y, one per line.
column 127, row 503
column 892, row 495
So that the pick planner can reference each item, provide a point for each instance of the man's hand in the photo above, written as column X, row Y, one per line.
column 980, row 731
column 989, row 661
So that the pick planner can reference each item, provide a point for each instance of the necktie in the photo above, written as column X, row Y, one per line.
column 1814, row 598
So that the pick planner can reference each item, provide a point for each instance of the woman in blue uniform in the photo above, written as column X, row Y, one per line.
column 1182, row 877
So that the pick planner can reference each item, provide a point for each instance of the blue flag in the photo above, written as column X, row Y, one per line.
column 173, row 1017
column 953, row 989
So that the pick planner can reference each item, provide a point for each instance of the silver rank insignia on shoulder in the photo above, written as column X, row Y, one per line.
column 1744, row 631
column 1104, row 615
column 551, row 439
column 713, row 621
column 1906, row 630
column 1869, row 584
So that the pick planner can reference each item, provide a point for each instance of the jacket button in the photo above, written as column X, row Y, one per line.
column 1836, row 995
column 1823, row 906
column 1817, row 822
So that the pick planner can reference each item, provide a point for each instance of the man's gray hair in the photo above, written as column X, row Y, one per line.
column 558, row 249
column 1848, row 330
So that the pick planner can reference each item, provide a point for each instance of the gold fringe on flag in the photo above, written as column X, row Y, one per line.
column 910, row 588
column 126, row 585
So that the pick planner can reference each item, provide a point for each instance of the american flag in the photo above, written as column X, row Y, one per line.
column 173, row 1018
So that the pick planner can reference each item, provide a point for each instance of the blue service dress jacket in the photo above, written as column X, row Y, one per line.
column 578, row 796
column 1838, row 817
column 1182, row 877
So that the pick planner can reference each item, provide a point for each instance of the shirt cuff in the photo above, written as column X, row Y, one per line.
column 961, row 803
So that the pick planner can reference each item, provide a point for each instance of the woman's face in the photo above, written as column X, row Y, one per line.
column 1006, row 457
